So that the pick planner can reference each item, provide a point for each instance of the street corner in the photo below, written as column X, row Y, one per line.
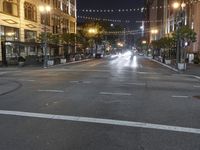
column 8, row 86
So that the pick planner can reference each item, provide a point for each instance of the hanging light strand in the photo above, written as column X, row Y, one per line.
column 138, row 10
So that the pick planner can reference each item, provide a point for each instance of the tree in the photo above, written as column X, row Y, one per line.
column 70, row 40
column 50, row 38
column 167, row 43
column 94, row 37
column 184, row 36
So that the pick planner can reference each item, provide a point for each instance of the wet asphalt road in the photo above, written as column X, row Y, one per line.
column 124, row 88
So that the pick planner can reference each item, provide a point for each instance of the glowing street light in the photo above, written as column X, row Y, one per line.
column 92, row 31
column 44, row 9
column 120, row 44
column 183, row 5
column 144, row 42
column 176, row 5
column 154, row 31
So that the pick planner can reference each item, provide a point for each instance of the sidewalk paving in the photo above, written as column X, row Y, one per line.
column 15, row 68
column 192, row 69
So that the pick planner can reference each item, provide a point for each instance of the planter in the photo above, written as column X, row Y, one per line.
column 20, row 64
column 72, row 59
column 50, row 62
column 63, row 61
column 168, row 61
column 181, row 66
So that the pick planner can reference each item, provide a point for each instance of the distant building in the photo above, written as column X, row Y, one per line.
column 21, row 22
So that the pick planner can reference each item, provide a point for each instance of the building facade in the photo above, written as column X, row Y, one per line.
column 162, row 17
column 21, row 21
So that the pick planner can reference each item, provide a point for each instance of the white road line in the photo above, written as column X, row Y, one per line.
column 177, row 96
column 74, row 81
column 140, row 84
column 84, row 82
column 53, row 91
column 87, row 82
column 2, row 73
column 26, row 80
column 197, row 77
column 120, row 94
column 196, row 86
column 103, row 121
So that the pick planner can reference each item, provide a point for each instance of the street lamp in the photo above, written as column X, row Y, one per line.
column 92, row 31
column 176, row 5
column 45, row 9
column 120, row 44
column 144, row 42
column 178, row 21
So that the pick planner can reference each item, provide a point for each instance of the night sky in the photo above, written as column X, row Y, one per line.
column 113, row 4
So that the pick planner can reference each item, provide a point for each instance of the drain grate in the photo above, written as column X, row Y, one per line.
column 197, row 97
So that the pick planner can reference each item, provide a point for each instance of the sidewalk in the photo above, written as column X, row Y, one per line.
column 15, row 68
column 192, row 69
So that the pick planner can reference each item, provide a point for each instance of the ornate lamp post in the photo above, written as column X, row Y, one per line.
column 93, row 32
column 179, row 7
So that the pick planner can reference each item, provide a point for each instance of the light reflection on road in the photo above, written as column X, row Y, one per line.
column 123, row 61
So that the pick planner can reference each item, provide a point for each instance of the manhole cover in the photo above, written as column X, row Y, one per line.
column 198, row 97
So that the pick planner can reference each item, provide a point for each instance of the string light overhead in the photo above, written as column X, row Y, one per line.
column 103, row 19
column 122, row 10
column 116, row 21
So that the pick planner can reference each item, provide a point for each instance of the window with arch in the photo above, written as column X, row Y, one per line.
column 11, row 7
column 30, row 12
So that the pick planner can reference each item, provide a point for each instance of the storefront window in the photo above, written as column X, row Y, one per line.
column 30, row 36
column 9, row 33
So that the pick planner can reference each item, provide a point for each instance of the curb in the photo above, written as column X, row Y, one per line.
column 174, row 69
column 169, row 67
column 69, row 63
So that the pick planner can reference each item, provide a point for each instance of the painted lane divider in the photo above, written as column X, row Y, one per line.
column 51, row 91
column 179, row 96
column 102, row 121
column 120, row 94
column 196, row 86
